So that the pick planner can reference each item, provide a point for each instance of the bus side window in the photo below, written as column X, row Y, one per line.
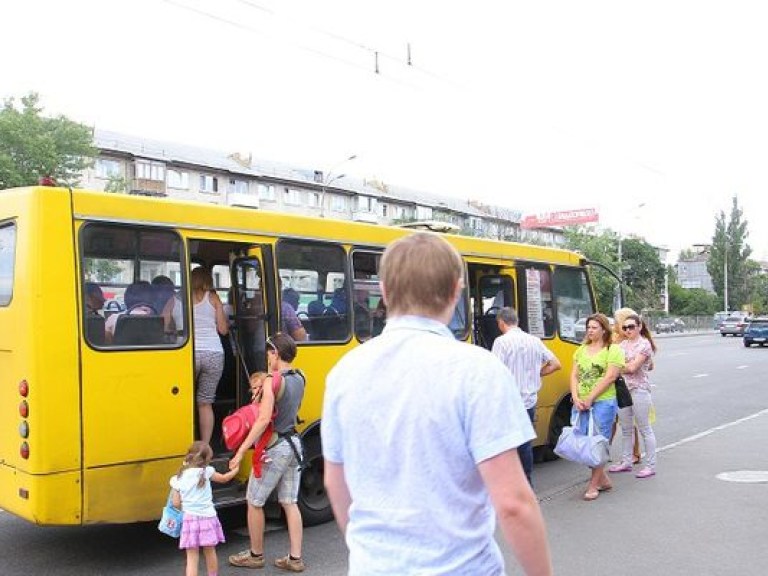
column 573, row 302
column 130, row 285
column 317, row 273
column 368, row 308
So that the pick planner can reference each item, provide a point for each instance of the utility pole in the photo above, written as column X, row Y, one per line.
column 725, row 276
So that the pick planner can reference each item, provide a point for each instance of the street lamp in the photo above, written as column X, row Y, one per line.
column 330, row 179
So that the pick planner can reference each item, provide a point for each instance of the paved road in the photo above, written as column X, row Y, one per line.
column 712, row 405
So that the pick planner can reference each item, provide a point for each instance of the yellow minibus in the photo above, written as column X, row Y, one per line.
column 97, row 405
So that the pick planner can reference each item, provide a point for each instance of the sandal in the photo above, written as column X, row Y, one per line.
column 590, row 495
column 605, row 487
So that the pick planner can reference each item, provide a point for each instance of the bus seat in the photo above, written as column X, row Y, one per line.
column 94, row 330
column 138, row 330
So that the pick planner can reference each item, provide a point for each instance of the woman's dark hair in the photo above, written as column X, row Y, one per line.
column 601, row 319
column 644, row 332
column 284, row 345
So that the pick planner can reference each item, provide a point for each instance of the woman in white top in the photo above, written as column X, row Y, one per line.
column 210, row 321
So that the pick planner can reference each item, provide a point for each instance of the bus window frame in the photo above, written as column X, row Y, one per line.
column 3, row 225
column 346, row 270
column 184, row 269
column 555, row 285
column 522, row 267
column 377, row 254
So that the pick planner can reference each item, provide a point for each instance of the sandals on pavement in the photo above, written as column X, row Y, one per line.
column 592, row 494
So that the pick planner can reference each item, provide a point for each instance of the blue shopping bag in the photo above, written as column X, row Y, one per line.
column 171, row 520
column 590, row 449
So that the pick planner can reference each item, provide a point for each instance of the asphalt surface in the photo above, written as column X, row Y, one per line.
column 684, row 521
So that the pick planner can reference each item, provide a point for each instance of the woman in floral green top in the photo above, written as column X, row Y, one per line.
column 596, row 364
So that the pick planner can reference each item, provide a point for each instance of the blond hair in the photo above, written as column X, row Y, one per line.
column 619, row 316
column 419, row 274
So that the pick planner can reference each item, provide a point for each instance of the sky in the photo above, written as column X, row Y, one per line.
column 653, row 113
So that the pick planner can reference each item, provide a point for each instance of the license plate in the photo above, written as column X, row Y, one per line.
column 758, row 339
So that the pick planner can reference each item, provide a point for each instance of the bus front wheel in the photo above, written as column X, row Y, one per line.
column 313, row 500
column 560, row 419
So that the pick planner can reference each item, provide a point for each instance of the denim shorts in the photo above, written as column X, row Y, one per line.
column 605, row 414
column 280, row 470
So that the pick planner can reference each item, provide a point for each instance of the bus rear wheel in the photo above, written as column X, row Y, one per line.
column 313, row 500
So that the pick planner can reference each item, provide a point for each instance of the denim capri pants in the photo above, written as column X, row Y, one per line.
column 604, row 412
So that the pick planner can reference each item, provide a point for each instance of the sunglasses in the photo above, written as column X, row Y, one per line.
column 629, row 327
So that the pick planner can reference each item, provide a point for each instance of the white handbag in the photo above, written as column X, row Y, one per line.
column 590, row 449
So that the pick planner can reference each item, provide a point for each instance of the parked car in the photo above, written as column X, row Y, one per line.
column 756, row 332
column 734, row 325
column 669, row 325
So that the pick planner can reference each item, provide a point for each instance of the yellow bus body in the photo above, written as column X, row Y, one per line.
column 105, row 429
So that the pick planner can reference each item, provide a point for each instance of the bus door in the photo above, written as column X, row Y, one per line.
column 254, row 302
column 137, row 389
column 493, row 292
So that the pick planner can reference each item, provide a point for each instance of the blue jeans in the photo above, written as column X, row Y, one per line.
column 605, row 414
column 525, row 451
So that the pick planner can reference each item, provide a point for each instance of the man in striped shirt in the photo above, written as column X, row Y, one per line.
column 528, row 360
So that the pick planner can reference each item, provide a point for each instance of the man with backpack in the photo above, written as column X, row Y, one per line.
column 281, row 462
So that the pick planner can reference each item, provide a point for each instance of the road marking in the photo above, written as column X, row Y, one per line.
column 579, row 484
column 700, row 375
column 712, row 430
column 746, row 476
column 742, row 367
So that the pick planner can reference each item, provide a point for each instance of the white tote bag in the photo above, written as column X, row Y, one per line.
column 590, row 449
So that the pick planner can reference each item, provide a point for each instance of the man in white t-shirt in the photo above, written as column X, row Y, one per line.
column 528, row 360
column 420, row 434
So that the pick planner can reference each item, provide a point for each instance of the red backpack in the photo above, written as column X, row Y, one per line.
column 236, row 426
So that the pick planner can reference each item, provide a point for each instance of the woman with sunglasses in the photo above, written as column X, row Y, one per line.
column 596, row 365
column 639, row 347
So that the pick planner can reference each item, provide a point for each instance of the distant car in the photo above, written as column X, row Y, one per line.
column 669, row 325
column 756, row 332
column 734, row 325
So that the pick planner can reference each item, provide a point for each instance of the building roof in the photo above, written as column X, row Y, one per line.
column 173, row 152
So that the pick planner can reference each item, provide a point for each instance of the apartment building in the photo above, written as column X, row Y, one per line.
column 141, row 166
column 692, row 270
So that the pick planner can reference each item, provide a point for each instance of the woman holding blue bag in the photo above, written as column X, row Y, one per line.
column 596, row 364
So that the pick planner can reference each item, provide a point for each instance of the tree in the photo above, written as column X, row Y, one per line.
column 641, row 267
column 729, row 254
column 600, row 248
column 117, row 185
column 33, row 146
column 643, row 274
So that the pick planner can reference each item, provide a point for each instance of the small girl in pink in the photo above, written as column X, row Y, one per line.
column 638, row 349
column 192, row 492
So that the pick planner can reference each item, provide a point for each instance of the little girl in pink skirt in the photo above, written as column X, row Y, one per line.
column 192, row 493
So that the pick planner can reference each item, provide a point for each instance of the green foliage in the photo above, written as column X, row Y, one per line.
column 117, row 185
column 641, row 268
column 757, row 288
column 643, row 275
column 730, row 250
column 102, row 270
column 600, row 248
column 692, row 301
column 33, row 146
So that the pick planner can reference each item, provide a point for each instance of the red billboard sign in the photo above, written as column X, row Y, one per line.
column 564, row 218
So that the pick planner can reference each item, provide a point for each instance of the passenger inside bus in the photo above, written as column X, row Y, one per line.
column 289, row 320
column 138, row 302
column 168, row 304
